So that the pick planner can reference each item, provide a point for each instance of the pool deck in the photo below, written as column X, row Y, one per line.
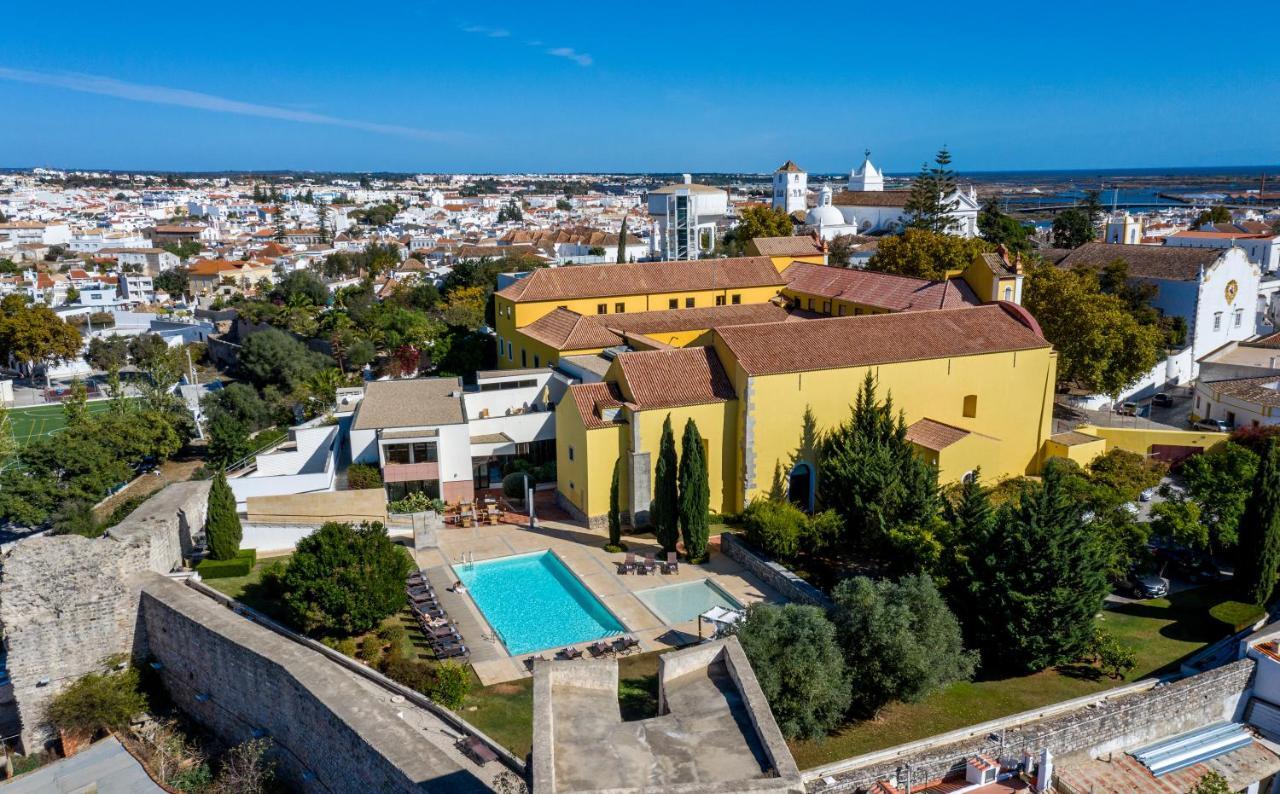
column 582, row 551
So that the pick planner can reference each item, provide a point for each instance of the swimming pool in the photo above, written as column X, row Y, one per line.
column 680, row 602
column 533, row 602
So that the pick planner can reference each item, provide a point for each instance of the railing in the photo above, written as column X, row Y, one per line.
column 248, row 461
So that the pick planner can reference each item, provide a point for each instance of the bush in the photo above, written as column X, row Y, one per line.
column 370, row 648
column 239, row 565
column 346, row 646
column 392, row 633
column 416, row 502
column 513, row 484
column 450, row 685
column 223, row 524
column 774, row 527
column 98, row 702
column 362, row 475
column 412, row 673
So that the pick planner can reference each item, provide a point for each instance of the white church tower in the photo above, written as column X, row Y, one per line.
column 790, row 187
column 866, row 178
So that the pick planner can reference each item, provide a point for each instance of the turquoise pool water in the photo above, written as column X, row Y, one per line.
column 535, row 603
column 680, row 602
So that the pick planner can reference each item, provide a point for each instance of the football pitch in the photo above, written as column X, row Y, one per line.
column 38, row 421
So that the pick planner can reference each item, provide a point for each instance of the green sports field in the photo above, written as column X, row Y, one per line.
column 43, row 420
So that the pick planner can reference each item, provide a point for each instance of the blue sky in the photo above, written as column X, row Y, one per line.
column 553, row 86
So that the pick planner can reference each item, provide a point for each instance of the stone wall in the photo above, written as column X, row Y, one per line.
column 239, row 679
column 774, row 574
column 68, row 602
column 1096, row 726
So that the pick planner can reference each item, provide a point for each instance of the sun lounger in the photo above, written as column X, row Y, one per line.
column 625, row 644
column 628, row 565
column 672, row 565
column 415, row 577
column 600, row 648
column 528, row 663
column 649, row 566
column 571, row 653
column 452, row 652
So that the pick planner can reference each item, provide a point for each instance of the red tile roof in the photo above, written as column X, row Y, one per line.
column 934, row 435
column 838, row 342
column 565, row 329
column 871, row 198
column 598, row 281
column 590, row 398
column 801, row 245
column 882, row 290
column 674, row 378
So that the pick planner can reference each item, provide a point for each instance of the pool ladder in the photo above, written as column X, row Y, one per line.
column 468, row 560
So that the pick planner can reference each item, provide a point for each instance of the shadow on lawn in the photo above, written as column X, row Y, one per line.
column 1189, row 614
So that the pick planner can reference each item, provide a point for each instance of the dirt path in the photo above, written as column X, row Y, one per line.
column 178, row 469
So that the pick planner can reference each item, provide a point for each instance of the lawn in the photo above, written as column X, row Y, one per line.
column 1162, row 631
column 44, row 420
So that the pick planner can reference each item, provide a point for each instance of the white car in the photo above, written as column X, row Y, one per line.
column 1132, row 509
column 1147, row 494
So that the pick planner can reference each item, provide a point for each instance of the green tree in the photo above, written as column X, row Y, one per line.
column 622, row 240
column 75, row 408
column 615, row 512
column 664, row 515
column 1101, row 347
column 755, row 221
column 563, row 205
column 1215, row 214
column 1072, row 228
column 971, row 519
column 345, row 579
column 695, row 494
column 510, row 211
column 175, row 281
column 1211, row 782
column 465, row 308
column 797, row 661
column 1040, row 612
column 1258, row 557
column 107, row 701
column 300, row 288
column 33, row 334
column 222, row 527
column 998, row 228
column 1220, row 481
column 871, row 476
column 272, row 356
column 900, row 641
column 932, row 201
column 110, row 354
column 921, row 253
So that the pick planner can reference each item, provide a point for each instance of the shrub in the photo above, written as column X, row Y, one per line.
column 513, row 485
column 416, row 502
column 370, row 648
column 223, row 524
column 774, row 527
column 392, row 633
column 98, row 702
column 412, row 673
column 239, row 565
column 450, row 685
column 362, row 475
column 346, row 646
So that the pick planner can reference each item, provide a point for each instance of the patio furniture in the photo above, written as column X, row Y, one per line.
column 453, row 652
column 477, row 750
column 625, row 644
column 629, row 565
column 600, row 648
column 672, row 565
column 649, row 565
column 528, row 663
column 571, row 653
column 415, row 578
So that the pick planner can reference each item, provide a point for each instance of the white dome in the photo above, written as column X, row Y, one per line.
column 826, row 215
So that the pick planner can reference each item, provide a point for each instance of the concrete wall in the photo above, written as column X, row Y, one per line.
column 68, row 602
column 1097, row 725
column 774, row 574
column 366, row 504
column 1140, row 439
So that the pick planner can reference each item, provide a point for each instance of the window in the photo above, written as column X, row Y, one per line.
column 511, row 354
column 856, row 311
column 570, row 453
column 397, row 453
column 811, row 304
column 399, row 490
column 423, row 451
column 415, row 452
column 528, row 383
column 735, row 299
column 1008, row 293
column 826, row 307
column 719, row 300
column 673, row 304
column 619, row 308
column 1239, row 317
column 1217, row 321
column 971, row 405
column 840, row 310
column 537, row 362
column 602, row 308
column 688, row 303
column 524, row 357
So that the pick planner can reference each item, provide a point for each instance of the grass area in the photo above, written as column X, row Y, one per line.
column 249, row 591
column 1162, row 631
column 505, row 711
column 37, row 421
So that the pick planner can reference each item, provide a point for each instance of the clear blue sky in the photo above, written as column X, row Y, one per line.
column 553, row 86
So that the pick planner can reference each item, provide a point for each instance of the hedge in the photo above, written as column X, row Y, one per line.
column 239, row 565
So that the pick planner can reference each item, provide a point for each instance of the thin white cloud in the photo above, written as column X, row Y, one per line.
column 493, row 33
column 580, row 58
column 181, row 97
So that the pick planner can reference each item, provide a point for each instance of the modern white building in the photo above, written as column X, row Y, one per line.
column 790, row 188
column 685, row 216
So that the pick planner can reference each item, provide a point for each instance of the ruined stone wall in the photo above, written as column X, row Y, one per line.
column 239, row 680
column 774, row 574
column 1096, row 727
column 68, row 602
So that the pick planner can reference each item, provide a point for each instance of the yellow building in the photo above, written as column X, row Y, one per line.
column 782, row 251
column 975, row 386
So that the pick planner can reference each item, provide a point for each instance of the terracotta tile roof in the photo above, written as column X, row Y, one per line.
column 790, row 167
column 1271, row 342
column 1259, row 391
column 418, row 402
column 212, row 267
column 1234, row 234
column 871, row 198
column 934, row 435
column 178, row 229
column 565, row 329
column 599, row 281
column 1073, row 438
column 1165, row 262
column 591, row 398
column 882, row 290
column 674, row 378
column 838, row 342
column 801, row 245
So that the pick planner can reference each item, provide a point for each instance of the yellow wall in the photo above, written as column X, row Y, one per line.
column 830, row 306
column 717, row 423
column 585, row 480
column 784, row 262
column 1014, row 391
column 1082, row 454
column 1139, row 439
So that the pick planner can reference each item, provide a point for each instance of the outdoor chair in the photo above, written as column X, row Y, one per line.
column 672, row 565
column 571, row 653
column 528, row 663
column 629, row 565
column 600, row 648
column 453, row 652
column 649, row 565
column 625, row 644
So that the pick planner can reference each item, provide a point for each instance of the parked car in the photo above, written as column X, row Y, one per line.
column 1162, row 399
column 1132, row 509
column 1148, row 585
column 1127, row 408
column 1147, row 494
column 1213, row 425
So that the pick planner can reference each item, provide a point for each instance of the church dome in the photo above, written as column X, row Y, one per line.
column 826, row 215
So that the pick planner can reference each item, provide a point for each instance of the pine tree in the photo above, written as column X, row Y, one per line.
column 622, row 241
column 971, row 559
column 695, row 494
column 664, row 514
column 930, row 205
column 279, row 221
column 615, row 511
column 223, row 522
column 1259, row 546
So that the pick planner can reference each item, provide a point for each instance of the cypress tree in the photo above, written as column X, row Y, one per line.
column 972, row 560
column 664, row 514
column 223, row 527
column 1259, row 547
column 615, row 512
column 695, row 494
column 622, row 241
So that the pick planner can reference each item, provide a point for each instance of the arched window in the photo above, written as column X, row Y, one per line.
column 971, row 405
